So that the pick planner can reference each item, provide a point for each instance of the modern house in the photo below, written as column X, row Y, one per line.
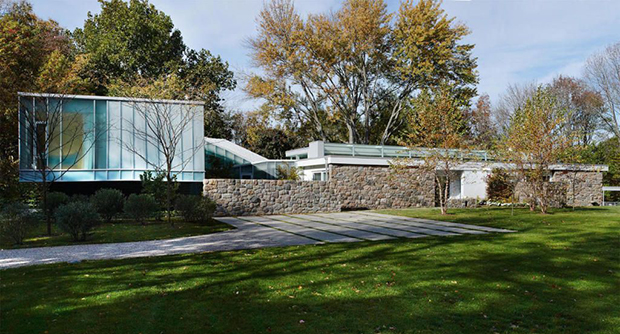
column 111, row 141
column 100, row 139
column 316, row 163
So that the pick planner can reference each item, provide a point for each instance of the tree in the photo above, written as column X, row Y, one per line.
column 537, row 137
column 514, row 98
column 437, row 125
column 482, row 129
column 128, row 39
column 27, row 45
column 352, row 72
column 602, row 72
column 54, row 138
column 163, row 128
column 152, row 51
column 582, row 104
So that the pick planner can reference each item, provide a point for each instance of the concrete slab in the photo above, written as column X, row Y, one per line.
column 392, row 224
column 308, row 232
column 326, row 225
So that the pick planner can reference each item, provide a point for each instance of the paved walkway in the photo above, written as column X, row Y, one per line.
column 254, row 232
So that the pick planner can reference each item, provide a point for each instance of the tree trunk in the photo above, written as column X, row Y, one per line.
column 169, row 198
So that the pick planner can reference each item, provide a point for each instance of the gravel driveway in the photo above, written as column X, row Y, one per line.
column 254, row 232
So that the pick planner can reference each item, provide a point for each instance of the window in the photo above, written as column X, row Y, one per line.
column 318, row 176
column 77, row 134
column 101, row 135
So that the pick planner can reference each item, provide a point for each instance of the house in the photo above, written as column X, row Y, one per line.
column 111, row 141
column 106, row 140
column 363, row 172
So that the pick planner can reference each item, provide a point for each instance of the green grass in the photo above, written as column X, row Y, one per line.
column 119, row 231
column 558, row 274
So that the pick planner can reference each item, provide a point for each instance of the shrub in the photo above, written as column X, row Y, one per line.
column 141, row 207
column 195, row 208
column 16, row 221
column 77, row 219
column 108, row 203
column 54, row 201
column 500, row 185
column 286, row 172
column 79, row 198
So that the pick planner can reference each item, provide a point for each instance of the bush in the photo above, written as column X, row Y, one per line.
column 286, row 172
column 141, row 207
column 77, row 219
column 500, row 186
column 54, row 201
column 195, row 208
column 79, row 198
column 16, row 221
column 108, row 203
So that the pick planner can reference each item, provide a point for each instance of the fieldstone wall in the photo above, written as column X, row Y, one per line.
column 350, row 187
column 586, row 186
column 587, row 189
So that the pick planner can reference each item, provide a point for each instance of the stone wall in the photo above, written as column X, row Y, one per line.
column 349, row 187
column 587, row 187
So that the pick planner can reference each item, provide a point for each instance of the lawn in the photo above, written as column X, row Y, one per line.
column 559, row 274
column 120, row 231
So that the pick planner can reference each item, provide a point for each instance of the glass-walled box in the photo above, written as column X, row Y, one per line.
column 94, row 138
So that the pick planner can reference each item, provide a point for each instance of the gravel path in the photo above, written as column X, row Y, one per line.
column 253, row 232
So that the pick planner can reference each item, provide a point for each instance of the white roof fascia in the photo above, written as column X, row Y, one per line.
column 297, row 152
column 471, row 165
column 108, row 98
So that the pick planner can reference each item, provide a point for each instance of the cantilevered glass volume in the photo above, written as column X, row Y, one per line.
column 95, row 138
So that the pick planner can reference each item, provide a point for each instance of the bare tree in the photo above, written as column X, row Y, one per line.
column 602, row 72
column 54, row 139
column 162, row 125
column 514, row 98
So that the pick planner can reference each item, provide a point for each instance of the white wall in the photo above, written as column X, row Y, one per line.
column 473, row 184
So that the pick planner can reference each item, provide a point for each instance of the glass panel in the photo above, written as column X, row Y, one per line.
column 114, row 150
column 53, row 127
column 25, row 134
column 77, row 134
column 127, row 135
column 101, row 135
column 140, row 138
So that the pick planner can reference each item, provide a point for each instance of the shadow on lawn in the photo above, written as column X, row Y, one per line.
column 563, row 281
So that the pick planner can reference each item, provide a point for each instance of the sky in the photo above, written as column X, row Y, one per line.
column 516, row 42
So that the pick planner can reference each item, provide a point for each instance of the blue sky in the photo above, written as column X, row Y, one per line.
column 516, row 41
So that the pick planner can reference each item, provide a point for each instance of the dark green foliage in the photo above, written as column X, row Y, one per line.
column 79, row 198
column 500, row 186
column 127, row 39
column 76, row 219
column 108, row 203
column 54, row 201
column 272, row 143
column 195, row 208
column 16, row 221
column 155, row 185
column 141, row 207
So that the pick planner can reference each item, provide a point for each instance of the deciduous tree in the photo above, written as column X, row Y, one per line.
column 350, row 74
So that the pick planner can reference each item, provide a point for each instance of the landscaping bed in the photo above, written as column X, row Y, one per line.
column 120, row 231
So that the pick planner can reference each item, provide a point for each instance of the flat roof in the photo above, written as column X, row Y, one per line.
column 107, row 98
